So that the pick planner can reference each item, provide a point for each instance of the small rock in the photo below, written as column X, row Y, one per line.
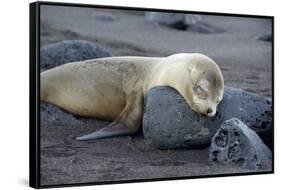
column 180, row 127
column 265, row 37
column 192, row 19
column 204, row 28
column 105, row 17
column 236, row 144
column 67, row 51
column 174, row 20
column 190, row 22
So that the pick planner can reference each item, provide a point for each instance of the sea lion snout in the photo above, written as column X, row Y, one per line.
column 211, row 112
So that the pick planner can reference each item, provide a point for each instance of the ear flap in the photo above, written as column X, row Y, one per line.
column 193, row 73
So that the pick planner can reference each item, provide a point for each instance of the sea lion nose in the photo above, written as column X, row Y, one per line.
column 209, row 110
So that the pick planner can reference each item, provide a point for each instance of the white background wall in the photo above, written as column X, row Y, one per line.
column 14, row 63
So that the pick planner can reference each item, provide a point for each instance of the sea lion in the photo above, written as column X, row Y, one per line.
column 114, row 88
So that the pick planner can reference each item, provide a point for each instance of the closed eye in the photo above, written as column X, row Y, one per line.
column 198, row 89
column 202, row 94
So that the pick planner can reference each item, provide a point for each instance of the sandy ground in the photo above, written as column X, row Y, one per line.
column 245, row 63
column 65, row 160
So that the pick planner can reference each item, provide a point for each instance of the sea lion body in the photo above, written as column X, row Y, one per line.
column 113, row 88
column 95, row 88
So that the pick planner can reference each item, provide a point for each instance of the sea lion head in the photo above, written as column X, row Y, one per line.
column 207, row 86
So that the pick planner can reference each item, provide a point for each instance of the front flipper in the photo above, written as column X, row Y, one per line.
column 128, row 122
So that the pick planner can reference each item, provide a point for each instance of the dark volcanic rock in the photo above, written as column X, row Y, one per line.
column 169, row 122
column 236, row 144
column 266, row 37
column 67, row 51
column 204, row 28
column 255, row 111
column 190, row 22
column 105, row 17
column 174, row 20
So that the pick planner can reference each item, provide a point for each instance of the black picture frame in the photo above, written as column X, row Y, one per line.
column 34, row 93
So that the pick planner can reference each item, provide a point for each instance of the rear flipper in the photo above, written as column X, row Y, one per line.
column 113, row 129
column 128, row 122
